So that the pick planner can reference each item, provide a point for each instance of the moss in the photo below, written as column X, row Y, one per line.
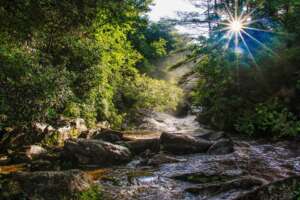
column 93, row 193
column 55, row 138
column 51, row 140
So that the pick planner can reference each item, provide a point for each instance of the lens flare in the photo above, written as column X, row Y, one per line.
column 236, row 26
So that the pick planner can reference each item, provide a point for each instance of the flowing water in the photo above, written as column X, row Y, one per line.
column 201, row 176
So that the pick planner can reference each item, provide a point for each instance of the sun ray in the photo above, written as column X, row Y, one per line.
column 248, row 49
column 228, row 11
column 243, row 10
column 262, row 44
column 222, row 29
column 258, row 29
column 230, row 34
column 252, row 11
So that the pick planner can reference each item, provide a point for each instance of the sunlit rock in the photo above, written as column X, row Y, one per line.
column 183, row 144
column 95, row 152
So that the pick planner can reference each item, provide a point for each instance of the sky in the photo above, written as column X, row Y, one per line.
column 169, row 8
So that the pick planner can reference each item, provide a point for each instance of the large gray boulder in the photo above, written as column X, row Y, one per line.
column 95, row 152
column 221, row 147
column 108, row 135
column 50, row 185
column 140, row 146
column 183, row 144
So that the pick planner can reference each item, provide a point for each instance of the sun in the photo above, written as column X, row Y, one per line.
column 237, row 23
column 236, row 26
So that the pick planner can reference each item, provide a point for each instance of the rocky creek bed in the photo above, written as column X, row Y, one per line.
column 170, row 158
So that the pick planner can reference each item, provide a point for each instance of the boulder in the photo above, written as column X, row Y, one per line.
column 79, row 124
column 160, row 159
column 34, row 151
column 283, row 189
column 182, row 144
column 95, row 152
column 221, row 147
column 48, row 185
column 217, row 188
column 140, row 146
column 108, row 135
column 212, row 135
column 39, row 128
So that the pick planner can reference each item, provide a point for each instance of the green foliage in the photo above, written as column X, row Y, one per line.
column 94, row 193
column 297, row 194
column 257, row 103
column 255, row 98
column 52, row 139
column 148, row 93
column 269, row 119
column 77, row 64
column 160, row 47
column 153, row 41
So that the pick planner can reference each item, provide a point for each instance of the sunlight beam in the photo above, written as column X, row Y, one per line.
column 260, row 43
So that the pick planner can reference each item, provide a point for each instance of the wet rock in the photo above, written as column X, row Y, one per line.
column 160, row 159
column 16, row 138
column 79, row 124
column 182, row 144
column 27, row 153
column 239, row 185
column 140, row 146
column 48, row 185
column 39, row 127
column 221, row 147
column 212, row 135
column 34, row 151
column 108, row 135
column 103, row 125
column 204, row 177
column 88, row 134
column 42, row 165
column 95, row 152
column 283, row 189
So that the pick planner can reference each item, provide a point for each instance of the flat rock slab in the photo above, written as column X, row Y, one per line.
column 96, row 152
column 140, row 146
column 221, row 147
column 179, row 143
column 108, row 135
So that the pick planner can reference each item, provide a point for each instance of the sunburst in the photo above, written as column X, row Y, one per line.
column 237, row 25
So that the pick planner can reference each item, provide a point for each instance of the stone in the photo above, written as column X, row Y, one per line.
column 183, row 144
column 95, row 152
column 108, row 135
column 48, row 185
column 283, row 189
column 160, row 159
column 79, row 124
column 34, row 151
column 39, row 128
column 221, row 147
column 140, row 146
column 238, row 185
column 212, row 135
